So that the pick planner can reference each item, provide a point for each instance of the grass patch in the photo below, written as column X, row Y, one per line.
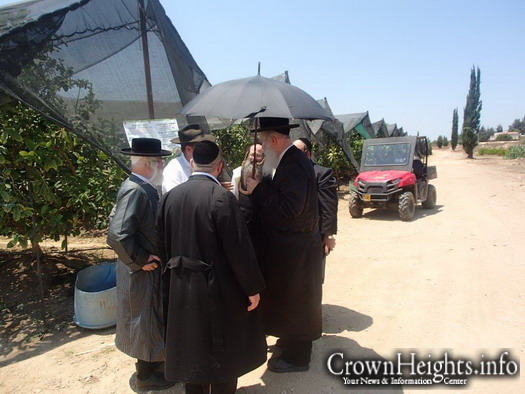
column 492, row 151
column 515, row 152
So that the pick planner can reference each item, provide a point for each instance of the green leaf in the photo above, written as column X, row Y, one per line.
column 16, row 214
column 5, row 196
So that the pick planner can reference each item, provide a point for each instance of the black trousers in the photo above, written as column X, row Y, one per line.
column 228, row 387
column 295, row 352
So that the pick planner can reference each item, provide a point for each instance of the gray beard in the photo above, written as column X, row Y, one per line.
column 271, row 160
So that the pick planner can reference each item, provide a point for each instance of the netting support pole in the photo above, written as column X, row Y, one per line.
column 145, row 53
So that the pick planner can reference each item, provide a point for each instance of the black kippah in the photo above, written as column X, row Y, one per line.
column 205, row 152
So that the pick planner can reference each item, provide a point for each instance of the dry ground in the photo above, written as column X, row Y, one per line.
column 451, row 279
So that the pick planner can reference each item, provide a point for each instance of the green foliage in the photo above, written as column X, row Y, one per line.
column 454, row 134
column 439, row 142
column 485, row 134
column 332, row 155
column 445, row 141
column 518, row 125
column 504, row 137
column 52, row 182
column 492, row 151
column 469, row 140
column 515, row 152
column 472, row 113
column 233, row 142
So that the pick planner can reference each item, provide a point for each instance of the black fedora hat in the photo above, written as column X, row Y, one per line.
column 280, row 125
column 192, row 133
column 145, row 147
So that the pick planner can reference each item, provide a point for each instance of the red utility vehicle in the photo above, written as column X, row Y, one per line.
column 395, row 174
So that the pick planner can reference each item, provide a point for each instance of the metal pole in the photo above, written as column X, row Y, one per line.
column 145, row 53
column 254, row 143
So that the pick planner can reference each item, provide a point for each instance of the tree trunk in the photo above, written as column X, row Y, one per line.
column 37, row 254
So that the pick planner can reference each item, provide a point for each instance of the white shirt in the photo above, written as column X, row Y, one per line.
column 176, row 172
column 236, row 178
column 142, row 178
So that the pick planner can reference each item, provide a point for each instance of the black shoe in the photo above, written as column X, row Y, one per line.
column 154, row 382
column 278, row 365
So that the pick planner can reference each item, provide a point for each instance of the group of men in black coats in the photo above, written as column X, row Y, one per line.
column 219, row 297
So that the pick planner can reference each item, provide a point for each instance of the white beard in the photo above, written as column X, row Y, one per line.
column 156, row 178
column 271, row 160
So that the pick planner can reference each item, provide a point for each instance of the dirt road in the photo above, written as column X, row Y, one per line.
column 450, row 280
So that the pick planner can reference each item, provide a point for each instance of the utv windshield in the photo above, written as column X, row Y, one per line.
column 387, row 155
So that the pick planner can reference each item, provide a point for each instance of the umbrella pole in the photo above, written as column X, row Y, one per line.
column 254, row 143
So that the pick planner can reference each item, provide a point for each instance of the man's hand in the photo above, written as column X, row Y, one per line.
column 329, row 244
column 227, row 185
column 254, row 301
column 251, row 184
column 152, row 263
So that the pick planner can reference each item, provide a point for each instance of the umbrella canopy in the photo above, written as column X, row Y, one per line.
column 255, row 97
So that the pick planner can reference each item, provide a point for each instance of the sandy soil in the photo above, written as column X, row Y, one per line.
column 450, row 280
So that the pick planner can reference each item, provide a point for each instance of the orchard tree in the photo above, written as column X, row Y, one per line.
column 472, row 113
column 233, row 142
column 454, row 135
column 53, row 183
column 445, row 141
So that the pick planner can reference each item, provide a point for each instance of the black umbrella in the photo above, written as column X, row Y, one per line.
column 255, row 97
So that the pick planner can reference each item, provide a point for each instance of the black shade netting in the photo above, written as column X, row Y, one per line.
column 83, row 64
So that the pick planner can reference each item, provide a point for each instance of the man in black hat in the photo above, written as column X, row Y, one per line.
column 290, row 247
column 211, row 282
column 178, row 170
column 132, row 235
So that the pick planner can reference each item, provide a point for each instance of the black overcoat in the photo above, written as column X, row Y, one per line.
column 290, row 249
column 211, row 269
column 327, row 194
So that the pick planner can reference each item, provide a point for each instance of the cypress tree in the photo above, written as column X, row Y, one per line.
column 454, row 135
column 471, row 114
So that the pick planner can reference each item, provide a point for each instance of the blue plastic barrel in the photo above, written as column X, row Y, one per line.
column 96, row 296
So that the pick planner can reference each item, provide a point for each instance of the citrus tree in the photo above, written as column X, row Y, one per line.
column 52, row 183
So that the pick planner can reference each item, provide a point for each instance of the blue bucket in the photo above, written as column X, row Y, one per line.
column 96, row 296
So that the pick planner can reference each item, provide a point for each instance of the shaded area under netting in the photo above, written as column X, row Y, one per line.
column 89, row 65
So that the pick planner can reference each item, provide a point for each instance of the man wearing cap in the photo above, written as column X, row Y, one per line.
column 132, row 235
column 211, row 282
column 290, row 247
column 327, row 195
column 178, row 170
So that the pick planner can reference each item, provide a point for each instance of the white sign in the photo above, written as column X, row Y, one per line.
column 163, row 129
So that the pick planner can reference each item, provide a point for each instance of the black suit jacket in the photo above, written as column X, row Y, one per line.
column 327, row 195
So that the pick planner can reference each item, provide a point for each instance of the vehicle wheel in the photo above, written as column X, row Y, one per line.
column 355, row 205
column 407, row 206
column 430, row 202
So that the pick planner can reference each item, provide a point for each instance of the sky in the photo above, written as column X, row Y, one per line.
column 405, row 61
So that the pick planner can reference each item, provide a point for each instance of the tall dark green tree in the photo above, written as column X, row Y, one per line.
column 439, row 142
column 454, row 135
column 471, row 114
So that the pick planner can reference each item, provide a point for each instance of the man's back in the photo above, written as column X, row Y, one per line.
column 200, row 222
